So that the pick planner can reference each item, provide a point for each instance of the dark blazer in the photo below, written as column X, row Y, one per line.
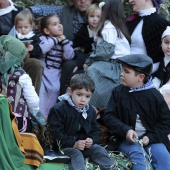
column 69, row 126
column 123, row 107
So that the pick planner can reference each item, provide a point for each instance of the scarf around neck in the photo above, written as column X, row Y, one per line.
column 66, row 97
column 146, row 86
column 8, row 9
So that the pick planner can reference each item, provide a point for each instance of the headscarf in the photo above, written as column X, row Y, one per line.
column 8, row 9
column 166, row 32
column 12, row 54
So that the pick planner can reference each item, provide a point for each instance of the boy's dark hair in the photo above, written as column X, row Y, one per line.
column 80, row 81
column 145, row 80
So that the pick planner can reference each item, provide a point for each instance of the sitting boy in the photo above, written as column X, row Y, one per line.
column 73, row 124
column 137, row 115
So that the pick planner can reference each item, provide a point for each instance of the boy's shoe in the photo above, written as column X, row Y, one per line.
column 55, row 157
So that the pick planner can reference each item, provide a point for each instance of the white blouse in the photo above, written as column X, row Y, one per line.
column 109, row 34
column 29, row 93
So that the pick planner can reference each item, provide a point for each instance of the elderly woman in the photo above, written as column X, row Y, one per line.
column 146, row 28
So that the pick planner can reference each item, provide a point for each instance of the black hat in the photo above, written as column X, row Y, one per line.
column 139, row 62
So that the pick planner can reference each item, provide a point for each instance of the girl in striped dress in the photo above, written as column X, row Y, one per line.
column 56, row 48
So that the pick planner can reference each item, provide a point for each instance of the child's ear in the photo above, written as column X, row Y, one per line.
column 69, row 91
column 142, row 77
column 46, row 31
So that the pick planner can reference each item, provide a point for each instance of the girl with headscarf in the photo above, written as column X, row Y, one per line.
column 16, row 84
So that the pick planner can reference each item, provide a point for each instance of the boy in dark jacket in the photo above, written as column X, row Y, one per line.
column 73, row 124
column 137, row 115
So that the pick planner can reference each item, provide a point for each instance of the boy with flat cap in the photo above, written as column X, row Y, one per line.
column 137, row 115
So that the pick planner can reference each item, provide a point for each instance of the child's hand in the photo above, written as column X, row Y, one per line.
column 61, row 38
column 145, row 140
column 80, row 145
column 29, row 46
column 88, row 143
column 131, row 136
column 85, row 66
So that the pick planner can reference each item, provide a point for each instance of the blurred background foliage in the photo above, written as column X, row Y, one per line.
column 164, row 7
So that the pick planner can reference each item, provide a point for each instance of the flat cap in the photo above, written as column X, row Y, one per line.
column 139, row 62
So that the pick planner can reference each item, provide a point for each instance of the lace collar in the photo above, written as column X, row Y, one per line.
column 29, row 35
column 147, row 12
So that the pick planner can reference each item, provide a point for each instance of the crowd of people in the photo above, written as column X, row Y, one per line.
column 89, row 57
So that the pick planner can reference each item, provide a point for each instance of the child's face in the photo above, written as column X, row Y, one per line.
column 24, row 27
column 80, row 97
column 94, row 18
column 130, row 79
column 166, row 45
column 55, row 28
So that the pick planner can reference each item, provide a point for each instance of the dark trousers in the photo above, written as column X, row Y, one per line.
column 66, row 74
column 34, row 69
column 96, row 153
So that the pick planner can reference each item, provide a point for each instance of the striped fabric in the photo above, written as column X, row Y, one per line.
column 106, row 76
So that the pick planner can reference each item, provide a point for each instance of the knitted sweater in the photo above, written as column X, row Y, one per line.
column 153, row 27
